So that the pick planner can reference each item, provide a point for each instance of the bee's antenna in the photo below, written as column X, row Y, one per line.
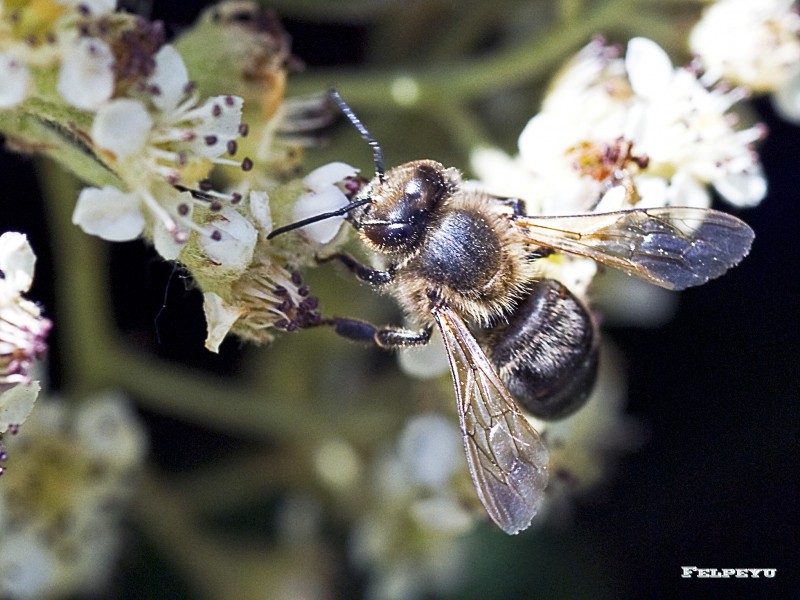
column 321, row 217
column 377, row 153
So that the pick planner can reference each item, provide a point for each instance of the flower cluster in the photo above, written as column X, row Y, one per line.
column 34, row 36
column 163, row 142
column 753, row 43
column 23, row 331
column 616, row 132
column 163, row 139
column 61, row 505
column 411, row 539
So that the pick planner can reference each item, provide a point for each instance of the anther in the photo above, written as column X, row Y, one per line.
column 244, row 129
column 216, row 235
column 210, row 140
column 231, row 147
column 247, row 164
column 216, row 110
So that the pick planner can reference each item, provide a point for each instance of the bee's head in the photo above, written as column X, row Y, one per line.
column 394, row 209
column 401, row 205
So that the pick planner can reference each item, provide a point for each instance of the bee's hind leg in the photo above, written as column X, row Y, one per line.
column 362, row 331
column 385, row 337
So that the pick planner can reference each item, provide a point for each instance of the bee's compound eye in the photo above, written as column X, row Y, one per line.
column 422, row 191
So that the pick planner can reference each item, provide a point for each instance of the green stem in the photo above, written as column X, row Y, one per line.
column 471, row 79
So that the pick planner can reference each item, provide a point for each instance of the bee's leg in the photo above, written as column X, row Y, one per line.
column 361, row 271
column 385, row 337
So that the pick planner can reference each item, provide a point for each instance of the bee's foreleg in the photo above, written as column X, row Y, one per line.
column 385, row 337
column 361, row 271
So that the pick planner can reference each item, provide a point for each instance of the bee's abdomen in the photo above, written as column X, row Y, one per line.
column 547, row 355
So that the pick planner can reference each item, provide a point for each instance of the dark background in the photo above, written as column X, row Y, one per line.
column 715, row 485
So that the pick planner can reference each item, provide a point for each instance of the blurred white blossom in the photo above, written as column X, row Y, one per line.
column 754, row 43
column 61, row 501
column 410, row 537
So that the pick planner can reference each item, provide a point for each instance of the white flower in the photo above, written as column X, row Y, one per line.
column 86, row 77
column 164, row 139
column 425, row 362
column 47, row 35
column 110, row 431
column 619, row 132
column 410, row 538
column 755, row 43
column 23, row 330
column 61, row 499
column 324, row 195
column 27, row 566
column 683, row 127
column 430, row 450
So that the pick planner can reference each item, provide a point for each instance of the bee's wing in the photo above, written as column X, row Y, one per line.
column 506, row 457
column 674, row 247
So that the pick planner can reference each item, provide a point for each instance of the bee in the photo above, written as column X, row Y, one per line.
column 465, row 262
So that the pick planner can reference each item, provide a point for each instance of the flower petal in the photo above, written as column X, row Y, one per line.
column 27, row 567
column 743, row 189
column 170, row 78
column 329, row 174
column 649, row 68
column 316, row 202
column 17, row 261
column 219, row 120
column 122, row 127
column 109, row 213
column 110, row 431
column 236, row 243
column 86, row 78
column 259, row 208
column 220, row 317
column 15, row 80
column 16, row 403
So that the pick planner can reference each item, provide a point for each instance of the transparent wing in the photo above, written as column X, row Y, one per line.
column 506, row 457
column 674, row 247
